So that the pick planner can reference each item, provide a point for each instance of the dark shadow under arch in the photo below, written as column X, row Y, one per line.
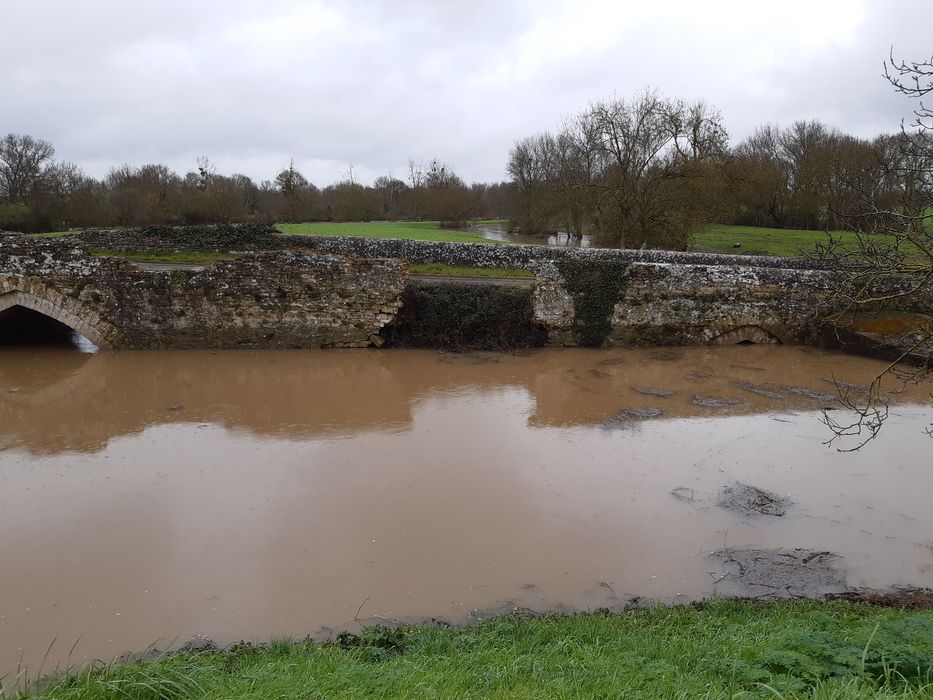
column 747, row 335
column 70, row 314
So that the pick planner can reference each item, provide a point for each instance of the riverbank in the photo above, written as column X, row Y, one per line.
column 720, row 649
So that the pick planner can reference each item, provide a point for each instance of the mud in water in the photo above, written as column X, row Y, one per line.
column 148, row 498
column 751, row 500
column 778, row 573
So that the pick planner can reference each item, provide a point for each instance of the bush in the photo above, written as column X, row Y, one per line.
column 466, row 317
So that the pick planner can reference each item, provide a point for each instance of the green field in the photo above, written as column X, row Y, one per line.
column 718, row 238
column 777, row 241
column 771, row 241
column 725, row 649
column 413, row 230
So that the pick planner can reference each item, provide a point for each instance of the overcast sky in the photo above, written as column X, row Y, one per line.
column 253, row 84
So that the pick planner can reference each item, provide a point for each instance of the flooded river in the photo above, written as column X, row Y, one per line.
column 148, row 498
column 555, row 240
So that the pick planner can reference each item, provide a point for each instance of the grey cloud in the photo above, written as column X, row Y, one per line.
column 252, row 85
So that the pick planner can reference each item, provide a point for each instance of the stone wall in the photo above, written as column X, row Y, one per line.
column 701, row 304
column 302, row 291
column 288, row 299
column 670, row 297
column 257, row 238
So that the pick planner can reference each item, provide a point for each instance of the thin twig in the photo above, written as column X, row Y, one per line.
column 356, row 617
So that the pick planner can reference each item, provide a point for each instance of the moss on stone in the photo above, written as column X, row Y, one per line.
column 595, row 287
column 466, row 317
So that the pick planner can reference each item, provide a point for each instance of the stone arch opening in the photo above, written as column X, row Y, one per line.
column 746, row 335
column 27, row 318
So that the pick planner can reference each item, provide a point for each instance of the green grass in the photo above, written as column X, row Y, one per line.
column 773, row 241
column 489, row 222
column 183, row 257
column 453, row 271
column 413, row 230
column 56, row 234
column 724, row 650
column 717, row 237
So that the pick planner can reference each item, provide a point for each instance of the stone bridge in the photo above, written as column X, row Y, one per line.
column 307, row 292
column 275, row 299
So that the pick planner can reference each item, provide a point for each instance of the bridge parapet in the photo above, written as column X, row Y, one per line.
column 303, row 291
column 285, row 299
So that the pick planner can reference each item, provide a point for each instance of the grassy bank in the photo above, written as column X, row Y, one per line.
column 721, row 238
column 455, row 271
column 413, row 230
column 723, row 650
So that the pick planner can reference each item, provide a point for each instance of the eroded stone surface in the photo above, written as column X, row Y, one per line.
column 273, row 300
column 310, row 291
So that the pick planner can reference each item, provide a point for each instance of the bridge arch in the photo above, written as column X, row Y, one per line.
column 69, row 311
column 748, row 333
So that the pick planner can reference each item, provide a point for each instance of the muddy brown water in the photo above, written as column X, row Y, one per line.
column 147, row 498
column 554, row 240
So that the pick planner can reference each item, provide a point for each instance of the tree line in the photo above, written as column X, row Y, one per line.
column 629, row 172
column 38, row 193
column 652, row 170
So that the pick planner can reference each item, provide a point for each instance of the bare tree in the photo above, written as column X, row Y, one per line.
column 892, row 265
column 785, row 175
column 23, row 160
column 207, row 171
column 446, row 196
column 624, row 170
column 289, row 181
column 416, row 177
column 392, row 191
column 535, row 169
column 350, row 201
column 299, row 198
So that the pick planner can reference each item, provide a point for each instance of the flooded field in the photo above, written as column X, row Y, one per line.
column 555, row 240
column 149, row 498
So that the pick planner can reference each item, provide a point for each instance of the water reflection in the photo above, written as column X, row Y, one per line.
column 54, row 401
column 555, row 240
